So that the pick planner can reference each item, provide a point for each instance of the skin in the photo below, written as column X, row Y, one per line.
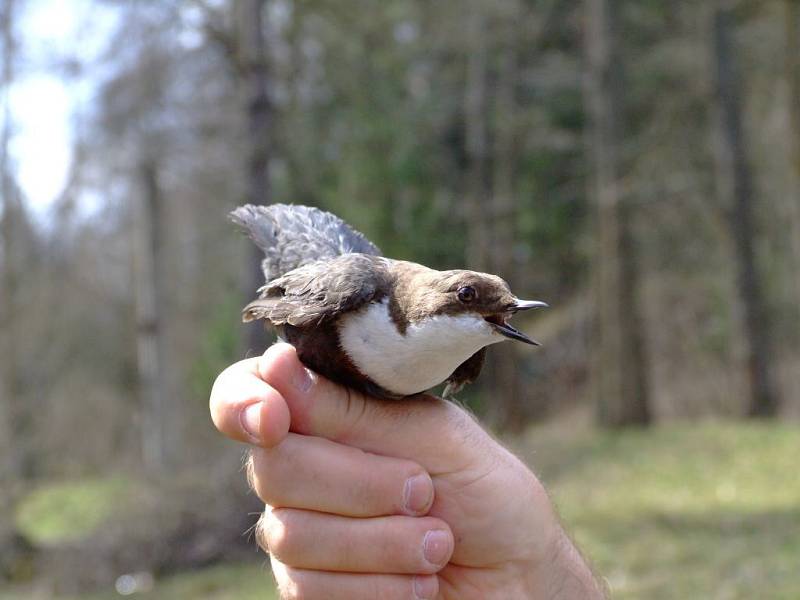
column 358, row 489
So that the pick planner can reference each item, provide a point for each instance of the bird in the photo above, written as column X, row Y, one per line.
column 388, row 328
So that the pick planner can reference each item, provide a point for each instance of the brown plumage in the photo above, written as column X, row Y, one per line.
column 321, row 292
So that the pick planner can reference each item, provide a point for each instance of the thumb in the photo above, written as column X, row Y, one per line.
column 247, row 409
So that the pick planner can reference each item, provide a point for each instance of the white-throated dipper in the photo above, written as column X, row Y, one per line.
column 390, row 328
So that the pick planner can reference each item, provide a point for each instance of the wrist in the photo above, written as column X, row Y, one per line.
column 548, row 566
column 555, row 569
column 564, row 574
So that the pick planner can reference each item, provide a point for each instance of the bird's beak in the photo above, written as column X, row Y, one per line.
column 501, row 326
column 507, row 330
column 528, row 304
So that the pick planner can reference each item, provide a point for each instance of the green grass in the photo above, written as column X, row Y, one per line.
column 66, row 511
column 224, row 582
column 704, row 510
column 685, row 511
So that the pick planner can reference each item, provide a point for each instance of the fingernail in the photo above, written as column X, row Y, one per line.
column 425, row 587
column 417, row 494
column 251, row 421
column 303, row 379
column 436, row 547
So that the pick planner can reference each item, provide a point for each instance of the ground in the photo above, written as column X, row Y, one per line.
column 224, row 582
column 704, row 510
column 683, row 511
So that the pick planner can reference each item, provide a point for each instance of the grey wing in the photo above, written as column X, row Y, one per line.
column 466, row 373
column 315, row 293
column 293, row 236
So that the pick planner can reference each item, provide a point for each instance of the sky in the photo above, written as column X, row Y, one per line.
column 42, row 100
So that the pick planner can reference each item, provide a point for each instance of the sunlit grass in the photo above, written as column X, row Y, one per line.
column 686, row 511
column 66, row 511
column 708, row 510
column 223, row 582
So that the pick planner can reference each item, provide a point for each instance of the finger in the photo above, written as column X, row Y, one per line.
column 412, row 426
column 317, row 541
column 323, row 585
column 316, row 474
column 244, row 407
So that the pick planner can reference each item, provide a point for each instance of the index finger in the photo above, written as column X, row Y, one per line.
column 246, row 408
column 417, row 428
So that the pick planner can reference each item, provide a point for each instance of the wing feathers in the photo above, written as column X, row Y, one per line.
column 294, row 236
column 320, row 291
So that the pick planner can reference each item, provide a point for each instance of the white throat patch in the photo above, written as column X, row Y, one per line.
column 425, row 356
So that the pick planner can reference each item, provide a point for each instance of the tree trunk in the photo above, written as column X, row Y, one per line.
column 157, row 427
column 736, row 182
column 507, row 408
column 17, row 455
column 793, row 80
column 254, row 79
column 620, row 360
column 14, row 416
column 8, row 373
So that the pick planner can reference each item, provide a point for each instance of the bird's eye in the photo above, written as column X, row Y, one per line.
column 467, row 294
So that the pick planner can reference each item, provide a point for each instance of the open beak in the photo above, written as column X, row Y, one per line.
column 501, row 326
column 529, row 304
column 515, row 334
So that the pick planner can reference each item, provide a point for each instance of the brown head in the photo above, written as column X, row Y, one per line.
column 425, row 292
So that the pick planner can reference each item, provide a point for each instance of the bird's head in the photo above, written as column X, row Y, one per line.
column 486, row 296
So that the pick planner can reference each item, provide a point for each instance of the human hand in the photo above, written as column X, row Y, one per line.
column 358, row 489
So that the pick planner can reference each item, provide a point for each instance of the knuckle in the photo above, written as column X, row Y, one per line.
column 291, row 591
column 289, row 584
column 264, row 476
column 278, row 532
column 261, row 533
column 363, row 490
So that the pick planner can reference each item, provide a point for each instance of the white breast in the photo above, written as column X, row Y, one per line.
column 413, row 362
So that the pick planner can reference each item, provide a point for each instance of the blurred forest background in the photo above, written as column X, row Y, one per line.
column 636, row 164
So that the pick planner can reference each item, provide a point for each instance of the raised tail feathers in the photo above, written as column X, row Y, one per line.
column 292, row 236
